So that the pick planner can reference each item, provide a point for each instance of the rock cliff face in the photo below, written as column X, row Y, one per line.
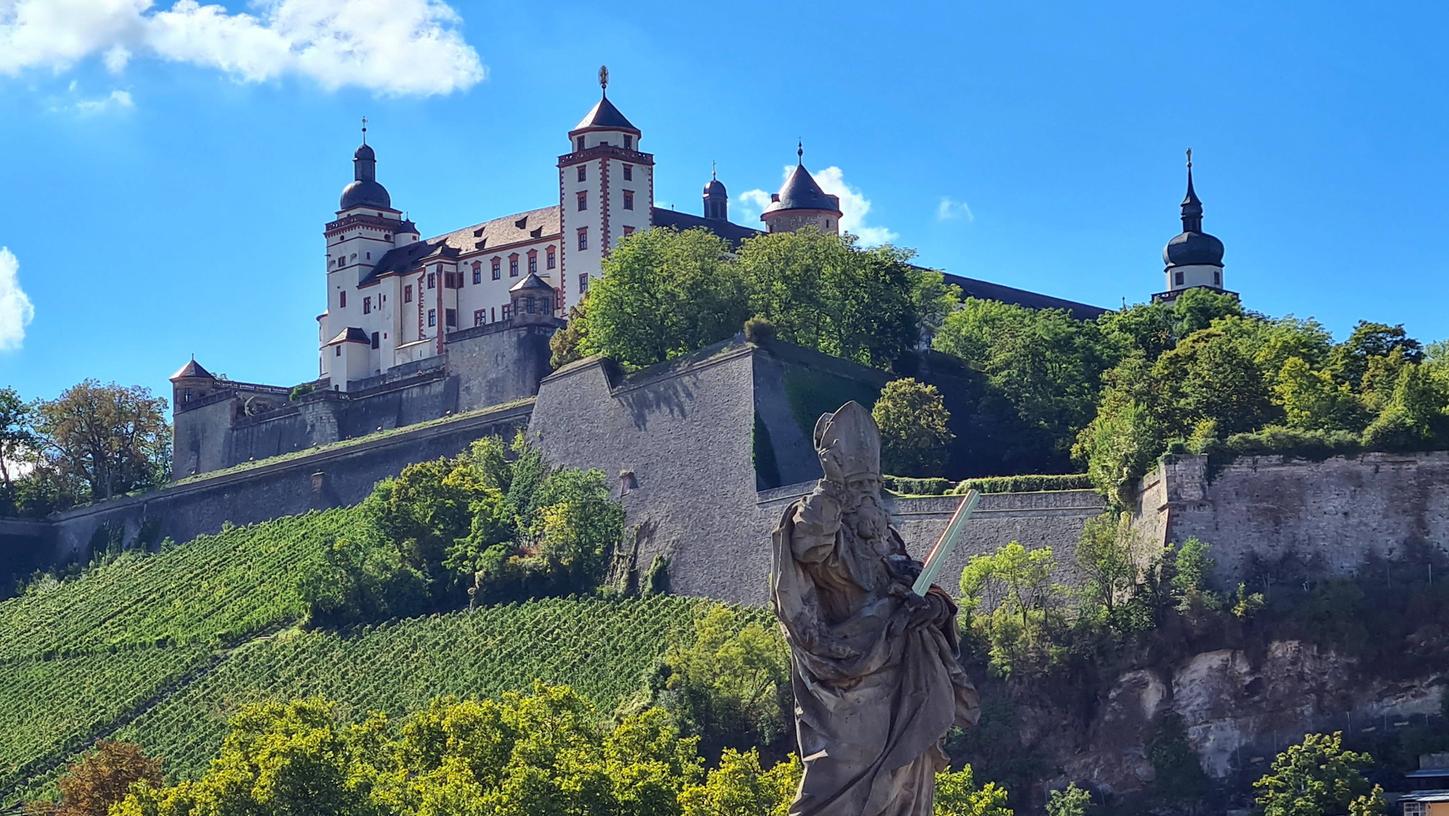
column 1238, row 710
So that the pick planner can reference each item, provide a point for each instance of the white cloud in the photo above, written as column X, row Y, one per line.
column 16, row 310
column 394, row 47
column 74, row 102
column 854, row 206
column 949, row 209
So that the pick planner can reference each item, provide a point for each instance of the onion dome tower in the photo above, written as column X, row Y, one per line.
column 801, row 203
column 716, row 198
column 1193, row 258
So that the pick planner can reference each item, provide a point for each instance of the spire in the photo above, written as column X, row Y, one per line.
column 1191, row 204
column 714, row 171
column 800, row 152
column 364, row 130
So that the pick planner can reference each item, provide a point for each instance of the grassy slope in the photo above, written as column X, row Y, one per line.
column 162, row 648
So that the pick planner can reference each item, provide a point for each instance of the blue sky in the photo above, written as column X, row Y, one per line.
column 168, row 165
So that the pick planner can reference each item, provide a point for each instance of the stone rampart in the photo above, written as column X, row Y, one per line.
column 1328, row 516
column 330, row 477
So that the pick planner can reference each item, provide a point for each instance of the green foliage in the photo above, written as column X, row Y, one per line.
column 1024, row 483
column 914, row 430
column 1191, row 578
column 98, row 441
column 1178, row 776
column 729, row 683
column 1010, row 603
column 1107, row 555
column 480, row 526
column 1047, row 365
column 759, row 331
column 822, row 292
column 958, row 795
column 1313, row 400
column 567, row 344
column 607, row 650
column 1352, row 360
column 914, row 486
column 1128, row 433
column 18, row 441
column 740, row 786
column 541, row 754
column 1319, row 777
column 1070, row 801
column 663, row 293
column 300, row 391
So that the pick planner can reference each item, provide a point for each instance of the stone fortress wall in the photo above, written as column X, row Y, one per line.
column 706, row 453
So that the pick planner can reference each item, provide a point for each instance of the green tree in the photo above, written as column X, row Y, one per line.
column 17, row 441
column 663, row 293
column 568, row 343
column 728, row 683
column 1105, row 554
column 741, row 787
column 1313, row 400
column 914, row 428
column 1350, row 359
column 101, row 778
column 1071, row 800
column 104, row 439
column 1318, row 777
column 1009, row 601
column 957, row 794
column 820, row 291
column 1128, row 433
column 1045, row 363
column 1209, row 376
column 1197, row 309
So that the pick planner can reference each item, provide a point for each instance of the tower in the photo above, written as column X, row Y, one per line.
column 191, row 382
column 801, row 203
column 365, row 228
column 1193, row 258
column 716, row 199
column 606, row 191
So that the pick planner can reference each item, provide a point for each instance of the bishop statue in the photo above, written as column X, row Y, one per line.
column 874, row 664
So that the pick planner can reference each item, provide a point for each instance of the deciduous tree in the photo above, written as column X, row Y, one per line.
column 107, row 439
column 1319, row 777
column 914, row 428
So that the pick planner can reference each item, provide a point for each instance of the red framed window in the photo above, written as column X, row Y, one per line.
column 513, row 265
column 479, row 317
column 628, row 199
column 552, row 259
column 583, row 238
column 628, row 172
column 533, row 262
column 367, row 305
column 408, row 293
column 497, row 268
column 583, row 199
column 583, row 168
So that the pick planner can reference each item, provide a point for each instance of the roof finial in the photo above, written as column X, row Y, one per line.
column 714, row 171
column 1189, row 159
column 800, row 150
column 604, row 79
column 364, row 130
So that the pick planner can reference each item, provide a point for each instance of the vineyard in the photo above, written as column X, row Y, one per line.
column 162, row 648
column 604, row 649
column 214, row 589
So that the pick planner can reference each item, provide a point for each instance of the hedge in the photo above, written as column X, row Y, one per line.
column 909, row 486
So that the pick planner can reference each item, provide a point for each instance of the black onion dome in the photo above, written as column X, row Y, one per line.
column 362, row 193
column 365, row 153
column 802, row 193
column 715, row 187
column 1193, row 249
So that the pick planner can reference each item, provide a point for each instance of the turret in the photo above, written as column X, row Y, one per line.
column 801, row 203
column 531, row 301
column 716, row 199
column 190, row 383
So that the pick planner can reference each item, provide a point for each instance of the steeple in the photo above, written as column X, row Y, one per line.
column 1191, row 204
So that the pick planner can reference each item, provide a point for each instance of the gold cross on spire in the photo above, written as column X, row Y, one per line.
column 604, row 79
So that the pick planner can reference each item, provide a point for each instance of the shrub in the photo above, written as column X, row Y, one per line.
column 912, row 486
column 1025, row 483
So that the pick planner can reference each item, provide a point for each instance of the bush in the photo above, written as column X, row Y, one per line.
column 759, row 331
column 912, row 486
column 1027, row 483
column 300, row 391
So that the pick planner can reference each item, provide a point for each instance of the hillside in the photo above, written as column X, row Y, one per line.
column 161, row 648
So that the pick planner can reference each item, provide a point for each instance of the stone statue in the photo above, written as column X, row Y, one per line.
column 874, row 666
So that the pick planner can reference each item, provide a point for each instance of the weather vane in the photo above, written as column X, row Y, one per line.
column 604, row 78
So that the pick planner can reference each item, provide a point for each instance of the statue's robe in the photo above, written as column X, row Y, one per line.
column 874, row 696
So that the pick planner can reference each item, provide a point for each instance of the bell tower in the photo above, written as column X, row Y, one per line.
column 606, row 191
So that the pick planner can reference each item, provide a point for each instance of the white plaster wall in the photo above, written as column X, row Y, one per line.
column 1195, row 275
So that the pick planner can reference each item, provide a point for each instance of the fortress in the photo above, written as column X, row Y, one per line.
column 417, row 329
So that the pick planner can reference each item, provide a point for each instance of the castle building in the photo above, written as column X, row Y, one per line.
column 1193, row 258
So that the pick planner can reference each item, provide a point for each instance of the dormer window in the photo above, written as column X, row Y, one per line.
column 579, row 143
column 628, row 142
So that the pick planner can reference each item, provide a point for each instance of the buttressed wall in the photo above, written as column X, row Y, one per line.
column 1328, row 515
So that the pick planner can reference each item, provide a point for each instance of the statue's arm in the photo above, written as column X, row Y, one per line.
column 817, row 520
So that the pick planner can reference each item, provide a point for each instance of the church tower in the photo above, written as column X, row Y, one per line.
column 1194, row 259
column 606, row 191
column 801, row 203
column 365, row 228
